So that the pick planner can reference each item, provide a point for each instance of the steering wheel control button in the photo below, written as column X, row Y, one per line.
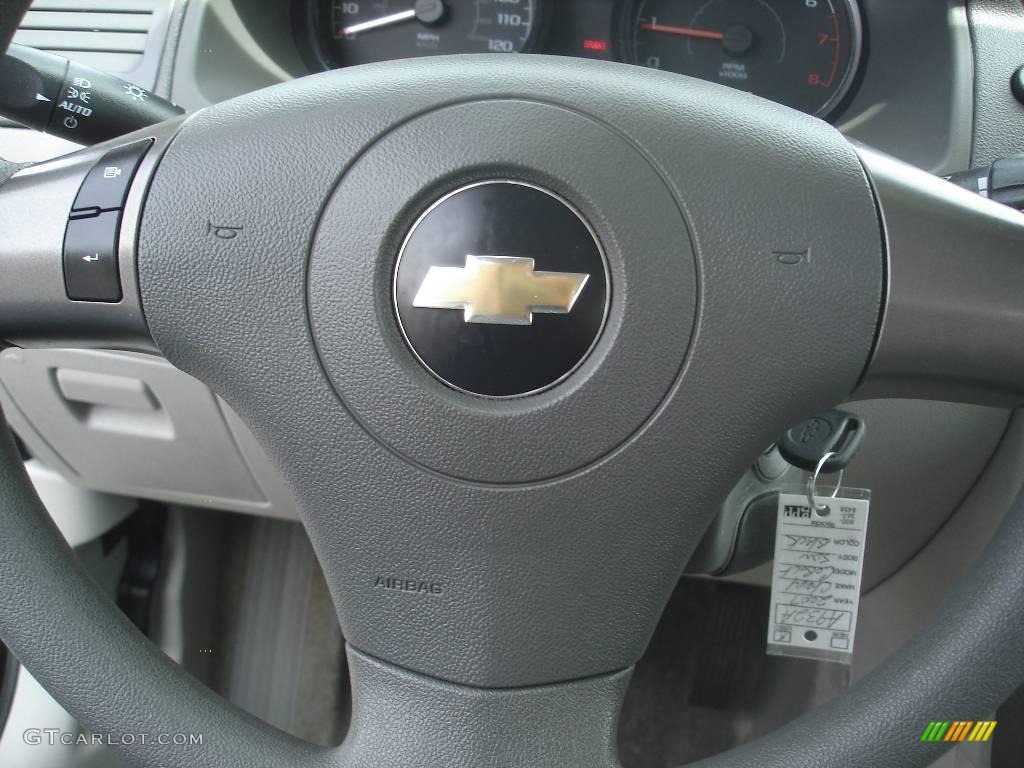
column 501, row 289
column 1017, row 84
column 90, row 258
column 106, row 185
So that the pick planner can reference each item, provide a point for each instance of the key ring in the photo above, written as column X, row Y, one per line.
column 813, row 481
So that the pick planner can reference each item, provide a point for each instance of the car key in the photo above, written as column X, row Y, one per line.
column 833, row 432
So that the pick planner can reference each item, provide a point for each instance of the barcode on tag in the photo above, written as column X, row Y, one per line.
column 819, row 558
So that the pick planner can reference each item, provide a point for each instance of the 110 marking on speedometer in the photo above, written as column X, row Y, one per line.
column 365, row 31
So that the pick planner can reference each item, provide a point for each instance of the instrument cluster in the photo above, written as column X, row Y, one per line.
column 802, row 53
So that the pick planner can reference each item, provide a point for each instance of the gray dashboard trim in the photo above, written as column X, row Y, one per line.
column 918, row 77
column 997, row 28
column 894, row 106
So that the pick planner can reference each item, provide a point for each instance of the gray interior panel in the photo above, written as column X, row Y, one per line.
column 132, row 424
column 123, row 37
column 218, row 59
column 896, row 609
column 997, row 27
column 26, row 146
column 914, row 99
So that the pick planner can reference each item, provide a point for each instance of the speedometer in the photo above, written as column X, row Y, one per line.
column 802, row 53
column 363, row 31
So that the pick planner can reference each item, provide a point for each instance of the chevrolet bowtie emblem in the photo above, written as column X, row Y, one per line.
column 499, row 289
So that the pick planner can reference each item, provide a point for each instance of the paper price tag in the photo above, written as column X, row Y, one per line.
column 819, row 558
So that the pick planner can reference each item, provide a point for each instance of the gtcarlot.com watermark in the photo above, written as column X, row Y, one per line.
column 54, row 736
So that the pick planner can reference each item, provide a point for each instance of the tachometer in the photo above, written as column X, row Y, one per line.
column 802, row 53
column 362, row 31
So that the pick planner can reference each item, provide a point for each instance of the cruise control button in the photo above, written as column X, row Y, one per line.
column 90, row 258
column 106, row 185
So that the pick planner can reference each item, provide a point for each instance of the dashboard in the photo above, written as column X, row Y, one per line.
column 895, row 74
column 802, row 53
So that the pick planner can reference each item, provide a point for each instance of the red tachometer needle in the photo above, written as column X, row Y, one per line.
column 707, row 34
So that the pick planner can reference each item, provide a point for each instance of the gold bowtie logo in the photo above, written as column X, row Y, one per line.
column 499, row 289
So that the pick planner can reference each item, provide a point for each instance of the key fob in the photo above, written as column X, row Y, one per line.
column 835, row 431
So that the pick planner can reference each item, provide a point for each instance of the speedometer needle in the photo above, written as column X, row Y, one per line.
column 707, row 34
column 383, row 21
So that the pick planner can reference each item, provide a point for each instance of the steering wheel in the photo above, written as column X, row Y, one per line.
column 512, row 327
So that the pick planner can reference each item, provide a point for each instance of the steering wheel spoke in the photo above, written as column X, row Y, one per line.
column 953, row 324
column 68, row 249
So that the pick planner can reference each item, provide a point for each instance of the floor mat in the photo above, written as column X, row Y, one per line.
column 705, row 683
column 284, row 658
